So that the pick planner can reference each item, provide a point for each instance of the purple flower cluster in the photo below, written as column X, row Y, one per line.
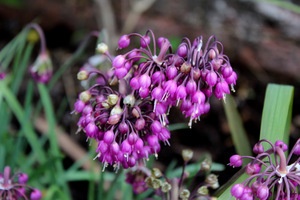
column 190, row 75
column 14, row 187
column 130, row 123
column 271, row 177
column 124, row 125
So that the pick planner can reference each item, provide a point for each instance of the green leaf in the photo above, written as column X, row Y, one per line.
column 277, row 112
column 19, row 113
column 275, row 125
column 238, row 133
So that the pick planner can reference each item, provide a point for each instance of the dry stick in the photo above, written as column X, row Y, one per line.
column 71, row 148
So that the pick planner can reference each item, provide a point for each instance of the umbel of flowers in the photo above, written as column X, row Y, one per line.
column 130, row 123
column 270, row 177
column 15, row 187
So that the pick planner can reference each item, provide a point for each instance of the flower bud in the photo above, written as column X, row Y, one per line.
column 85, row 96
column 114, row 119
column 82, row 75
column 236, row 161
column 41, row 70
column 203, row 191
column 237, row 190
column 129, row 100
column 258, row 148
column 23, row 178
column 35, row 194
column 166, row 187
column 156, row 184
column 184, row 194
column 102, row 48
column 156, row 173
column 112, row 99
column 187, row 155
column 212, row 180
column 116, row 110
column 124, row 41
column 206, row 164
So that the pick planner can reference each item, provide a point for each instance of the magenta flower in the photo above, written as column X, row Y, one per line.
column 271, row 173
column 15, row 187
column 193, row 68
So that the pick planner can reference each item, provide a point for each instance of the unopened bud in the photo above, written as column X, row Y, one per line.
column 206, row 164
column 102, row 48
column 136, row 112
column 156, row 173
column 116, row 110
column 156, row 184
column 114, row 119
column 212, row 180
column 166, row 187
column 203, row 191
column 112, row 99
column 33, row 36
column 85, row 96
column 129, row 100
column 82, row 75
column 187, row 154
column 184, row 194
column 105, row 105
column 149, row 181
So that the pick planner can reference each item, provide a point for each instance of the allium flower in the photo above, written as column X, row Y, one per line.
column 14, row 187
column 41, row 70
column 136, row 177
column 191, row 74
column 2, row 75
column 123, row 124
column 272, row 174
column 130, row 123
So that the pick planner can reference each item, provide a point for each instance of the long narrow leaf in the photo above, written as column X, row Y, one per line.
column 238, row 133
column 275, row 123
column 277, row 112
column 19, row 113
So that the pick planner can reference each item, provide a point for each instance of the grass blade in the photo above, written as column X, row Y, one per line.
column 238, row 133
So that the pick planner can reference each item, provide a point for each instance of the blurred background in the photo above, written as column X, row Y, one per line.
column 261, row 38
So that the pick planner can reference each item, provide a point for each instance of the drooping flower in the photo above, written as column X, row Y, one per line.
column 15, row 187
column 271, row 173
column 193, row 68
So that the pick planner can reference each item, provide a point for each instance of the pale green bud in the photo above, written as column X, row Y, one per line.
column 102, row 48
column 82, row 75
column 85, row 96
column 166, row 187
column 187, row 154
column 184, row 194
column 129, row 100
column 156, row 173
column 203, row 191
column 112, row 99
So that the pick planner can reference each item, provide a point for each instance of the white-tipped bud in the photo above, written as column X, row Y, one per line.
column 166, row 187
column 185, row 194
column 187, row 154
column 116, row 110
column 82, row 75
column 85, row 96
column 102, row 48
column 129, row 100
column 203, row 191
column 206, row 164
column 112, row 99
column 156, row 173
column 212, row 180
column 105, row 105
